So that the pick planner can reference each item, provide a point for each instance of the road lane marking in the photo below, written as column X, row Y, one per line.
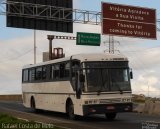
column 22, row 119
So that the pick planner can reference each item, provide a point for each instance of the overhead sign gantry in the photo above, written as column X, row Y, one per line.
column 32, row 14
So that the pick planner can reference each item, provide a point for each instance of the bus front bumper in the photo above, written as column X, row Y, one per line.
column 107, row 108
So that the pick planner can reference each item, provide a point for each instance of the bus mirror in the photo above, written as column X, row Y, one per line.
column 131, row 74
column 81, row 78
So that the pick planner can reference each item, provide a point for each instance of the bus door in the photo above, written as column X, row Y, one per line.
column 76, row 78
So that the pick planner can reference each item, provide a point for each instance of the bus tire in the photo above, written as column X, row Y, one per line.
column 70, row 110
column 111, row 116
column 33, row 105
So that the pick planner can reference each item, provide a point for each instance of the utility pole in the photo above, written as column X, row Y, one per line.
column 111, row 49
column 111, row 45
column 148, row 89
column 34, row 46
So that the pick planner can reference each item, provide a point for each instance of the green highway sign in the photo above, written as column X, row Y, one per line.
column 91, row 39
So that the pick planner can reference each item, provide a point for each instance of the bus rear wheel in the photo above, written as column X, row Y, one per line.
column 33, row 106
column 111, row 116
column 70, row 111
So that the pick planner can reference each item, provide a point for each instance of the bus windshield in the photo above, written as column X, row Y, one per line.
column 107, row 76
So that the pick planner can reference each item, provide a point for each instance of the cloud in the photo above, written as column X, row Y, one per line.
column 145, row 59
column 147, row 83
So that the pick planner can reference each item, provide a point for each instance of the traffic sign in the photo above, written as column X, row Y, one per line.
column 124, row 20
column 91, row 39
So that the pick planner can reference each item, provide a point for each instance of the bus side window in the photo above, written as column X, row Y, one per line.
column 32, row 74
column 62, row 70
column 44, row 73
column 67, row 69
column 38, row 73
column 55, row 71
column 25, row 76
column 75, row 68
column 52, row 72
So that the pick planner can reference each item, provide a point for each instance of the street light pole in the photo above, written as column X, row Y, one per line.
column 34, row 46
column 148, row 89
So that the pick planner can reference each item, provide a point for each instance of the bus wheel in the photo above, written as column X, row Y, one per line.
column 33, row 105
column 70, row 111
column 111, row 116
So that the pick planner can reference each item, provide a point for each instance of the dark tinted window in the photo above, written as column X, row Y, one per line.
column 67, row 69
column 55, row 71
column 25, row 75
column 32, row 74
column 38, row 73
column 60, row 71
column 44, row 72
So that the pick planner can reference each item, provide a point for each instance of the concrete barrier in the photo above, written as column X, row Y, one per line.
column 148, row 107
column 11, row 97
column 139, row 108
column 152, row 108
column 156, row 109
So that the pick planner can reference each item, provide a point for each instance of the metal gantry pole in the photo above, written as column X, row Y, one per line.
column 35, row 47
column 111, row 44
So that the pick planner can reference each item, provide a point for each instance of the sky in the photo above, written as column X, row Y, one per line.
column 16, row 50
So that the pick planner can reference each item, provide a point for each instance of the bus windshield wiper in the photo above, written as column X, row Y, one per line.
column 119, row 88
column 100, row 90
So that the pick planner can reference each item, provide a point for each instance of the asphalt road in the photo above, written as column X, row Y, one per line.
column 122, row 121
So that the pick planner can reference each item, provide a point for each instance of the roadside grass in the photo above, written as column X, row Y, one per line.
column 10, row 122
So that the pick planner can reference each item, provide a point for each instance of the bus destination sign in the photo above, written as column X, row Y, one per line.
column 128, row 21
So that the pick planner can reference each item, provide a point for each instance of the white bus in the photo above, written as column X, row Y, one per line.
column 82, row 84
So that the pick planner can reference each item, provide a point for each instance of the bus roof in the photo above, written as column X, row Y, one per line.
column 100, row 57
column 83, row 58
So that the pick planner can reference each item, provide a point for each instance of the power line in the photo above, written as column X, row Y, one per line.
column 15, row 58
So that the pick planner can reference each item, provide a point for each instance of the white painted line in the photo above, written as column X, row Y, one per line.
column 22, row 119
column 63, row 127
column 39, row 122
